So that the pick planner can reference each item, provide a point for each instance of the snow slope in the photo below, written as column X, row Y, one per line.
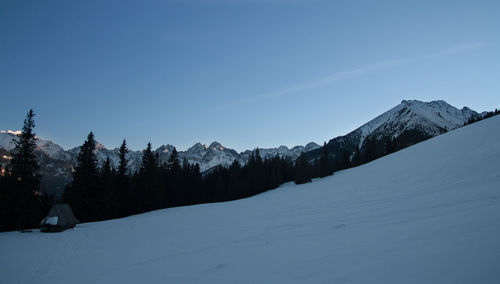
column 427, row 214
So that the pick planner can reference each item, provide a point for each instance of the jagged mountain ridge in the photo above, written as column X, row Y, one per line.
column 56, row 164
column 207, row 156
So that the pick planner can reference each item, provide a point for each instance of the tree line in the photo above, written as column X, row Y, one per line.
column 100, row 192
column 479, row 118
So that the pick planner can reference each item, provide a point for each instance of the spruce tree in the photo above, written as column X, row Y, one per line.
column 174, row 190
column 122, row 187
column 122, row 167
column 83, row 193
column 235, row 180
column 173, row 164
column 23, row 163
column 147, row 189
column 302, row 170
column 105, row 199
column 106, row 170
column 21, row 205
column 86, row 170
column 197, row 180
column 325, row 163
column 149, row 161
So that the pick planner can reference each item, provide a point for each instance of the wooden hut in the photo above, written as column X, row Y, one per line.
column 59, row 219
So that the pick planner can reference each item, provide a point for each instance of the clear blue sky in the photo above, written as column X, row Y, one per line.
column 245, row 73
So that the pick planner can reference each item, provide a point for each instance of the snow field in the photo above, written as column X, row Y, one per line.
column 426, row 214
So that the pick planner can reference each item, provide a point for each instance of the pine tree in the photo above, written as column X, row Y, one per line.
column 147, row 189
column 325, row 163
column 83, row 192
column 106, row 170
column 235, row 180
column 173, row 164
column 149, row 161
column 122, row 167
column 86, row 170
column 122, row 186
column 197, row 181
column 302, row 170
column 21, row 205
column 24, row 165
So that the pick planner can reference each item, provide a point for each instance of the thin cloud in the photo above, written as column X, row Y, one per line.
column 354, row 73
column 460, row 48
column 324, row 81
column 333, row 78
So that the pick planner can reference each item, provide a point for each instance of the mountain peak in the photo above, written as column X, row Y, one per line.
column 165, row 148
column 311, row 146
column 99, row 146
column 198, row 145
column 216, row 145
column 197, row 148
column 283, row 148
column 435, row 104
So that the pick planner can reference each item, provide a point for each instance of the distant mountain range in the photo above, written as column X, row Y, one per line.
column 409, row 122
column 57, row 164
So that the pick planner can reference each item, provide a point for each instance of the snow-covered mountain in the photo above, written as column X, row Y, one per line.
column 408, row 123
column 432, row 118
column 211, row 156
column 426, row 214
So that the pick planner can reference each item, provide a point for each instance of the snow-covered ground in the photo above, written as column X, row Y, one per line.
column 427, row 214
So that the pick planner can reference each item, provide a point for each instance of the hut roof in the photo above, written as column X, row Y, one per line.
column 61, row 215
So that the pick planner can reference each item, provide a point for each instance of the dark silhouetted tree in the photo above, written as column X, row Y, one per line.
column 23, row 163
column 325, row 162
column 122, row 186
column 302, row 170
column 22, row 205
column 122, row 166
column 83, row 193
column 149, row 163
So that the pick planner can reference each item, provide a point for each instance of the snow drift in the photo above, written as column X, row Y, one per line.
column 426, row 214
